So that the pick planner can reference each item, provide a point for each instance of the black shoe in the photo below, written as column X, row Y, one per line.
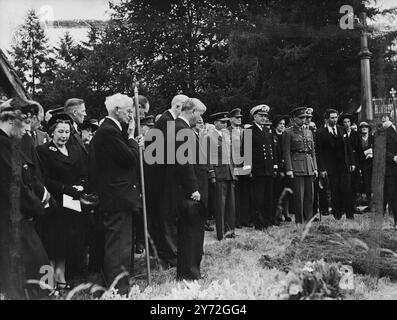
column 208, row 228
column 287, row 219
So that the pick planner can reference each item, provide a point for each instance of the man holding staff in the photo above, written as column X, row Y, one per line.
column 115, row 162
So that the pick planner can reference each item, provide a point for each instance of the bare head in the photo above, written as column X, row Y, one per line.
column 177, row 102
column 37, row 119
column 120, row 107
column 193, row 109
column 75, row 108
column 331, row 117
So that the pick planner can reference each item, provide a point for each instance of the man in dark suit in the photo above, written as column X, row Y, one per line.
column 335, row 160
column 38, row 136
column 75, row 109
column 346, row 120
column 218, row 142
column 391, row 169
column 115, row 178
column 161, row 199
column 21, row 201
column 264, row 167
column 191, row 179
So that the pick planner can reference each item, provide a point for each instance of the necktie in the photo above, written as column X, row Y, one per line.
column 33, row 135
column 334, row 131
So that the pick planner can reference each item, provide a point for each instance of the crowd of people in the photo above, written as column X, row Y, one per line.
column 71, row 193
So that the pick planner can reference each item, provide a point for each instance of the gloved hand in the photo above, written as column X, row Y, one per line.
column 73, row 192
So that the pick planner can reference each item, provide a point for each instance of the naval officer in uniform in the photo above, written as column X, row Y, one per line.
column 264, row 166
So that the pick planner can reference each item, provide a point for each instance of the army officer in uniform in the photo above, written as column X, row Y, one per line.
column 300, row 164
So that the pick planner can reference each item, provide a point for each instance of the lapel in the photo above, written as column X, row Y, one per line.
column 59, row 156
column 80, row 142
column 258, row 132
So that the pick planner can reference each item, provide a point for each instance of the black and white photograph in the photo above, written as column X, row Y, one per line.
column 179, row 151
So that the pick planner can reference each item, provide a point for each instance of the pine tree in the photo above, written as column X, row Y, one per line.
column 31, row 54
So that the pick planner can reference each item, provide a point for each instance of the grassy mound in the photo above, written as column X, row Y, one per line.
column 347, row 246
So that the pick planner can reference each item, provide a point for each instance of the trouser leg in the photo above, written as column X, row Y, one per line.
column 268, row 212
column 297, row 184
column 259, row 198
column 118, row 246
column 237, row 192
column 308, row 198
column 230, row 209
column 346, row 194
column 219, row 208
column 190, row 241
column 391, row 194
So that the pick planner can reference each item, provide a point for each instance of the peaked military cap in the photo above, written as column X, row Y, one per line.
column 236, row 113
column 261, row 109
column 309, row 111
column 219, row 116
column 298, row 112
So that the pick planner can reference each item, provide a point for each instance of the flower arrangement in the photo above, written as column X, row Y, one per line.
column 317, row 280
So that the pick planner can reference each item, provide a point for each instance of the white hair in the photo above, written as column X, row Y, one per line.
column 199, row 105
column 179, row 99
column 117, row 100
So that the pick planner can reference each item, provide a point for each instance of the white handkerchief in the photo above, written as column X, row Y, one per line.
column 71, row 204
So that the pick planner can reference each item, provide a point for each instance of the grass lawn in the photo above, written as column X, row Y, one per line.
column 264, row 265
column 255, row 265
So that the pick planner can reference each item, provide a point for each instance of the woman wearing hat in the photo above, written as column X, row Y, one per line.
column 365, row 156
column 87, row 129
column 63, row 227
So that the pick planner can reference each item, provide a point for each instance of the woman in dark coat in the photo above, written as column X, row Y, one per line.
column 278, row 125
column 63, row 228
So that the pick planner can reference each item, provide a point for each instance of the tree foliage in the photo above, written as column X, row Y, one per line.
column 31, row 54
column 228, row 53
